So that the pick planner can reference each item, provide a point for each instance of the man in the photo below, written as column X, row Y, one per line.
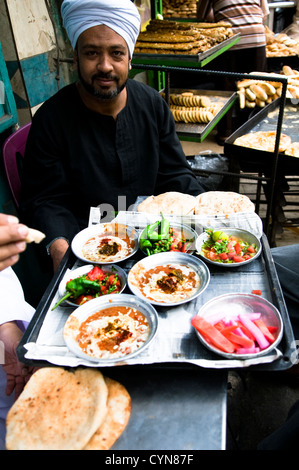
column 104, row 138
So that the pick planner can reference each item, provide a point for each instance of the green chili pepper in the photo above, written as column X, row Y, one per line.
column 77, row 287
column 151, row 231
column 165, row 224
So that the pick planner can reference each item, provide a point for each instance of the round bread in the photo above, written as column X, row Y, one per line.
column 168, row 203
column 116, row 419
column 263, row 141
column 222, row 203
column 293, row 149
column 57, row 410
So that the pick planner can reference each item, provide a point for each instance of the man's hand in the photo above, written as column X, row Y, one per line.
column 57, row 251
column 12, row 240
column 17, row 373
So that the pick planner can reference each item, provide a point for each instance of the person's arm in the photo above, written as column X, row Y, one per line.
column 57, row 250
column 17, row 374
column 12, row 240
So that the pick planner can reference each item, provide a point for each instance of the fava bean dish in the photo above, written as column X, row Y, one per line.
column 113, row 332
column 223, row 248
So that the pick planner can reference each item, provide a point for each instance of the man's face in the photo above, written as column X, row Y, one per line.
column 102, row 60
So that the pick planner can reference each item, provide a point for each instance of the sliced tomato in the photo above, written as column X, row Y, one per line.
column 212, row 255
column 238, row 259
column 223, row 256
column 82, row 299
column 257, row 292
column 251, row 249
column 238, row 248
column 96, row 274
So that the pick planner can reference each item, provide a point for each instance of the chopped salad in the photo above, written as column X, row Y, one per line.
column 222, row 248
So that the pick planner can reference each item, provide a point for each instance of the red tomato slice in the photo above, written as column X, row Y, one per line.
column 238, row 259
column 238, row 249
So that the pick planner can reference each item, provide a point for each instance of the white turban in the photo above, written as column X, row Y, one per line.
column 120, row 15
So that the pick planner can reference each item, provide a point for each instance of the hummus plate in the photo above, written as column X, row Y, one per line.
column 111, row 329
column 169, row 278
column 105, row 243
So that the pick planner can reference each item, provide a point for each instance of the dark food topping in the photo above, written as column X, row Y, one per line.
column 170, row 282
column 108, row 249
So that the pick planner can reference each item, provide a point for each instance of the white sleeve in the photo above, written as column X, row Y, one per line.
column 13, row 304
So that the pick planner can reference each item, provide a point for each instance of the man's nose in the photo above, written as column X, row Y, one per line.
column 104, row 63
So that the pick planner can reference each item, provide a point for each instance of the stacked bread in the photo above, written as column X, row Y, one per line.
column 293, row 81
column 180, row 8
column 62, row 409
column 208, row 203
column 261, row 92
column 254, row 93
column 174, row 37
column 188, row 107
column 280, row 45
column 266, row 140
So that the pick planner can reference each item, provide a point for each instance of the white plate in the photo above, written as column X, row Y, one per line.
column 105, row 230
column 73, row 274
column 163, row 259
column 93, row 306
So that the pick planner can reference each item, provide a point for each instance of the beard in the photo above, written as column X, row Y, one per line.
column 101, row 94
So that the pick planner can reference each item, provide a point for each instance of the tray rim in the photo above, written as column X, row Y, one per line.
column 69, row 259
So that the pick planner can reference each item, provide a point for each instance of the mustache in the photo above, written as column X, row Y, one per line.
column 106, row 76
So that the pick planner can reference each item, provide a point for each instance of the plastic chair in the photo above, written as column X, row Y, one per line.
column 13, row 151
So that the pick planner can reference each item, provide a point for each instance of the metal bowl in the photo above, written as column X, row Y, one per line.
column 120, row 231
column 163, row 259
column 229, row 306
column 185, row 232
column 73, row 274
column 81, row 314
column 237, row 232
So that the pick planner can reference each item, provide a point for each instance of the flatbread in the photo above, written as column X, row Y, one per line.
column 263, row 141
column 116, row 420
column 34, row 236
column 168, row 203
column 292, row 149
column 57, row 410
column 222, row 203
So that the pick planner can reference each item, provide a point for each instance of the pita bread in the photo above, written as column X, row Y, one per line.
column 57, row 410
column 34, row 236
column 116, row 420
column 168, row 203
column 222, row 203
column 263, row 141
column 293, row 149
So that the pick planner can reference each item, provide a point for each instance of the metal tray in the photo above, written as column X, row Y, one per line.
column 200, row 131
column 253, row 160
column 178, row 345
column 198, row 60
